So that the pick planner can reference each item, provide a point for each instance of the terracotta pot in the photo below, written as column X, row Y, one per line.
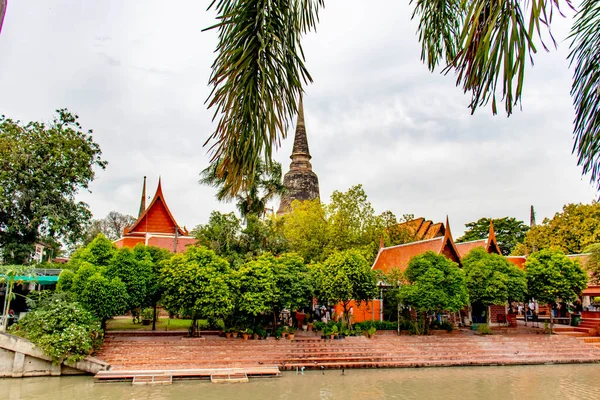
column 290, row 336
column 332, row 336
column 256, row 337
column 371, row 336
column 310, row 326
column 228, row 335
column 245, row 336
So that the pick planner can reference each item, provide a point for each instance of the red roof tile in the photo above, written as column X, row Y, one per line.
column 465, row 247
column 169, row 242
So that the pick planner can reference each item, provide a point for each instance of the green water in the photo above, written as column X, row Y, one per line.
column 476, row 383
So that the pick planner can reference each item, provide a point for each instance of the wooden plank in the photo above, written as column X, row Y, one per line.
column 206, row 373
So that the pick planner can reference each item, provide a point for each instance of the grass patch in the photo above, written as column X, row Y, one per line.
column 162, row 324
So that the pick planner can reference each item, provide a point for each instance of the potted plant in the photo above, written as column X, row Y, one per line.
column 290, row 332
column 259, row 333
column 357, row 330
column 228, row 332
column 371, row 332
column 334, row 331
column 309, row 325
column 246, row 333
column 278, row 332
column 147, row 316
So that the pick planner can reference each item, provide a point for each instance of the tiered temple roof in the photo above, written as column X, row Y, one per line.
column 490, row 244
column 400, row 255
column 421, row 229
column 156, row 226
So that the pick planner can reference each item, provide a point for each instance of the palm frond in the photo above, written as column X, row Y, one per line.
column 585, row 91
column 440, row 22
column 256, row 79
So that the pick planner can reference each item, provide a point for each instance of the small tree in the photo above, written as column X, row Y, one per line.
column 255, row 288
column 197, row 283
column 491, row 279
column 551, row 276
column 435, row 284
column 346, row 276
column 103, row 297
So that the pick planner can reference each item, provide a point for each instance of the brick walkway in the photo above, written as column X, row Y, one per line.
column 127, row 353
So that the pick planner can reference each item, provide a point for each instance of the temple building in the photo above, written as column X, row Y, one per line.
column 419, row 229
column 399, row 256
column 156, row 226
column 490, row 244
column 300, row 181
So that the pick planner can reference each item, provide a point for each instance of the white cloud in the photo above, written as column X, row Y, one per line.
column 137, row 74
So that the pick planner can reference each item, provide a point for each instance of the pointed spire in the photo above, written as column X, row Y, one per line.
column 143, row 202
column 531, row 217
column 492, row 241
column 159, row 188
column 300, row 140
column 447, row 233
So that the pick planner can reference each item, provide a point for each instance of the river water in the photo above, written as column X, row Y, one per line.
column 465, row 383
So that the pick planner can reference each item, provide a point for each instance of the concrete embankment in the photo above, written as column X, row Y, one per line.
column 457, row 349
column 20, row 358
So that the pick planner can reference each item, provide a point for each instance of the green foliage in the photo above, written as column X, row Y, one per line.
column 592, row 264
column 256, row 79
column 221, row 234
column 104, row 298
column 572, row 230
column 509, row 232
column 343, row 277
column 491, row 279
column 147, row 313
column 293, row 284
column 42, row 168
column 255, row 287
column 260, row 187
column 552, row 275
column 484, row 329
column 99, row 252
column 62, row 329
column 371, row 331
column 65, row 280
column 137, row 275
column 306, row 229
column 197, row 283
column 435, row 284
column 111, row 226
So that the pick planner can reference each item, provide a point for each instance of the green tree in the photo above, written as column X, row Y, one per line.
column 491, row 279
column 260, row 187
column 104, row 298
column 221, row 234
column 111, row 226
column 61, row 328
column 592, row 264
column 137, row 274
column 255, row 288
column 98, row 252
column 345, row 276
column 572, row 230
column 306, row 229
column 434, row 284
column 42, row 168
column 293, row 284
column 552, row 276
column 197, row 283
column 509, row 232
column 353, row 223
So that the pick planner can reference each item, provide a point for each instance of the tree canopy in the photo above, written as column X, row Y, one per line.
column 552, row 275
column 491, row 279
column 434, row 284
column 572, row 230
column 111, row 226
column 509, row 232
column 42, row 168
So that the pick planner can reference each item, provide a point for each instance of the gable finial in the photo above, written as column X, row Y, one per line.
column 143, row 202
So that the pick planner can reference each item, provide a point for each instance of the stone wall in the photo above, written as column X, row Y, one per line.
column 19, row 358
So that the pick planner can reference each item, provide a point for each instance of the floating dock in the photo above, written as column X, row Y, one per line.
column 167, row 376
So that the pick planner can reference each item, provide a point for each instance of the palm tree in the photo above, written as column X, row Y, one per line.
column 259, row 71
column 260, row 188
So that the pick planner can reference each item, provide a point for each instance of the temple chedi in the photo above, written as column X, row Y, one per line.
column 300, row 181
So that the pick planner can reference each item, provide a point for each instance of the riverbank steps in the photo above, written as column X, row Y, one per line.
column 383, row 351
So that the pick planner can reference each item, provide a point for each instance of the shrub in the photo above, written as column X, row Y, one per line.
column 148, row 313
column 371, row 331
column 447, row 326
column 484, row 329
column 62, row 329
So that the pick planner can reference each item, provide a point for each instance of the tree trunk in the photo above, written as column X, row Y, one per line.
column 154, row 318
column 488, row 318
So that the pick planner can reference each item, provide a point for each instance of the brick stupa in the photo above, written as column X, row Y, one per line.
column 300, row 181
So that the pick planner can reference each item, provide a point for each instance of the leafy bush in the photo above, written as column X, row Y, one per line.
column 147, row 313
column 484, row 329
column 62, row 329
column 372, row 331
column 447, row 326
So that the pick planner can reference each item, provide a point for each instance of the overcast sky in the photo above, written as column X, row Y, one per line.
column 137, row 75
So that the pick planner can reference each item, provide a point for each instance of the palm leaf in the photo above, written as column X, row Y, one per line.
column 585, row 91
column 256, row 80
